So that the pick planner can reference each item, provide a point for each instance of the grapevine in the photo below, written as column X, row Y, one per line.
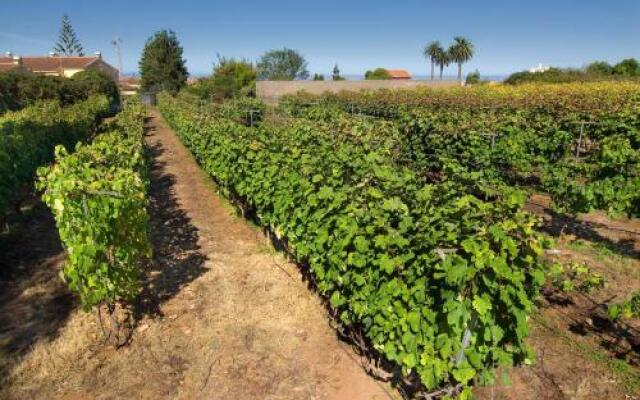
column 579, row 143
column 98, row 196
column 438, row 280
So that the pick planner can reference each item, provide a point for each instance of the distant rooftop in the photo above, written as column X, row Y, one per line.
column 399, row 74
column 50, row 63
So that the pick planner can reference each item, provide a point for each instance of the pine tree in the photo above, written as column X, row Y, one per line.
column 161, row 65
column 336, row 74
column 336, row 71
column 68, row 44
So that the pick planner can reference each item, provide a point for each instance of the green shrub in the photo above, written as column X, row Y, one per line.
column 20, row 89
column 553, row 75
column 92, row 82
column 28, row 138
column 600, row 68
column 628, row 67
column 473, row 78
column 377, row 74
column 231, row 78
column 597, row 71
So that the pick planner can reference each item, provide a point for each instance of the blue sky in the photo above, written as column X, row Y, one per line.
column 358, row 35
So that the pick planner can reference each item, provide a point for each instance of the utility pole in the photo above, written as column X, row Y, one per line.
column 116, row 42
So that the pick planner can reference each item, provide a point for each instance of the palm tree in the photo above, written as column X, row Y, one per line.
column 460, row 52
column 442, row 59
column 431, row 51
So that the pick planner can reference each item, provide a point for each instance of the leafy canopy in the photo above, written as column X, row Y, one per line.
column 628, row 69
column 600, row 67
column 473, row 78
column 19, row 89
column 282, row 65
column 231, row 78
column 161, row 65
column 377, row 74
column 90, row 82
column 29, row 136
column 538, row 134
column 442, row 59
column 461, row 50
column 433, row 50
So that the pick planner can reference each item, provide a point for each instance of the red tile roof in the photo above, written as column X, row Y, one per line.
column 52, row 63
column 399, row 74
column 130, row 80
column 129, row 83
column 4, row 67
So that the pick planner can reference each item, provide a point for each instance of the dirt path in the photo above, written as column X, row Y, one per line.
column 225, row 317
column 257, row 332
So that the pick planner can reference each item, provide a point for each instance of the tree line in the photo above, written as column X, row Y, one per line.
column 627, row 69
column 162, row 67
column 277, row 64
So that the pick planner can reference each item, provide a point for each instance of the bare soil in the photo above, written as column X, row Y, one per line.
column 223, row 316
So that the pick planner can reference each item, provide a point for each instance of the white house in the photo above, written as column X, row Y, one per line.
column 539, row 68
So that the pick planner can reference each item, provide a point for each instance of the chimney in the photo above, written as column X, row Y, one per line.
column 17, row 60
column 98, row 54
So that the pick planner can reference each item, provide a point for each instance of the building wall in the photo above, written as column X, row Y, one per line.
column 69, row 72
column 106, row 68
column 271, row 91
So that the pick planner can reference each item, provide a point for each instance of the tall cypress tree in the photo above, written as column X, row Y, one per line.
column 336, row 74
column 68, row 44
column 161, row 65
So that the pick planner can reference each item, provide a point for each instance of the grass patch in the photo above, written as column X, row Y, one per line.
column 609, row 258
column 627, row 376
